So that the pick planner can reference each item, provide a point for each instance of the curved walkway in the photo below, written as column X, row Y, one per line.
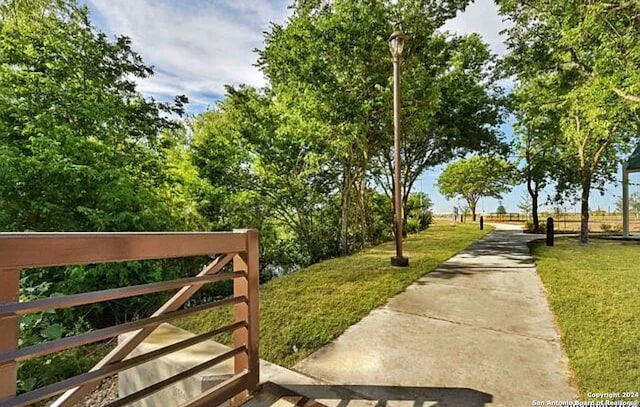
column 475, row 332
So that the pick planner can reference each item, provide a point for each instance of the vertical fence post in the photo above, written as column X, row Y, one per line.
column 253, row 270
column 9, row 331
column 249, row 288
column 625, row 201
column 550, row 231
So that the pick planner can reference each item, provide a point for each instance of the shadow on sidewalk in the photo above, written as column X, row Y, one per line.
column 382, row 396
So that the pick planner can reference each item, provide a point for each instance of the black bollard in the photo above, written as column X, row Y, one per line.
column 481, row 222
column 549, row 231
column 461, row 218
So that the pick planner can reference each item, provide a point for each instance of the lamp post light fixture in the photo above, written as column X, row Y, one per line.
column 396, row 44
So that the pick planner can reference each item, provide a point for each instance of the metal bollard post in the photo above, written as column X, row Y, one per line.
column 481, row 222
column 550, row 231
column 461, row 218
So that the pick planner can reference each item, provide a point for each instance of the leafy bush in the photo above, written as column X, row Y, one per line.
column 609, row 228
column 529, row 227
column 48, row 326
column 412, row 225
column 52, row 325
column 53, row 368
column 419, row 215
column 426, row 219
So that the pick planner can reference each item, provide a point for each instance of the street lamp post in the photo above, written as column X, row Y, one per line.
column 396, row 43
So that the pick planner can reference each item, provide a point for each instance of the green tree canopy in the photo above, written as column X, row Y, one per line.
column 330, row 65
column 476, row 177
column 79, row 147
column 268, row 168
column 580, row 59
column 82, row 150
column 539, row 140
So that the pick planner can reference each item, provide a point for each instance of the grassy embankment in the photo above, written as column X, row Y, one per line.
column 301, row 312
column 594, row 291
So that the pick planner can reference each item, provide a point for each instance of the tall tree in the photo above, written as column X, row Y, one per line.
column 325, row 62
column 538, row 139
column 476, row 177
column 450, row 110
column 274, row 160
column 333, row 64
column 587, row 57
column 79, row 147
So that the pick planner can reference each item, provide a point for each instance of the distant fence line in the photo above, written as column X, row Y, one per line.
column 599, row 221
column 570, row 216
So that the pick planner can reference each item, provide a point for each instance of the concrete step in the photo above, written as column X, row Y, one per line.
column 313, row 390
column 273, row 395
column 293, row 387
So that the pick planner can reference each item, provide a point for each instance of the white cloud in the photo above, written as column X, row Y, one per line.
column 198, row 46
column 481, row 17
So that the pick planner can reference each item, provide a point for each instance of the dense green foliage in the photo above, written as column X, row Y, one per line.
column 475, row 177
column 306, row 159
column 576, row 65
column 332, row 295
column 538, row 143
column 593, row 293
column 82, row 150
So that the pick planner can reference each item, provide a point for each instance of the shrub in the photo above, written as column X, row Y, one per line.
column 529, row 227
column 48, row 326
column 426, row 218
column 412, row 225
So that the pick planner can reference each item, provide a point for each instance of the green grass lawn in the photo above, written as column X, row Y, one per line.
column 594, row 291
column 302, row 311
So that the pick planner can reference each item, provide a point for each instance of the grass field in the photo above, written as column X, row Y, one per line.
column 301, row 312
column 570, row 222
column 567, row 222
column 594, row 291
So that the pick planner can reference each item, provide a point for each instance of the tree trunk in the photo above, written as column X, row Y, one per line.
column 533, row 193
column 405, row 200
column 344, row 211
column 584, row 210
column 473, row 211
column 534, row 213
column 362, row 194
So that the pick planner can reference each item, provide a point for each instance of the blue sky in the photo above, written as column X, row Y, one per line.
column 198, row 46
column 195, row 46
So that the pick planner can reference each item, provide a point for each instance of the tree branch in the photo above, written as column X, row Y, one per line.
column 596, row 156
column 626, row 96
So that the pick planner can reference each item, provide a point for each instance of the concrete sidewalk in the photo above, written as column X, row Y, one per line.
column 475, row 332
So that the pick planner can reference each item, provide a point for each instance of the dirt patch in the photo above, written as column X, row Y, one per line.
column 104, row 394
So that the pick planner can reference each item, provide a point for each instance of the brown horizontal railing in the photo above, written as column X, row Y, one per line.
column 29, row 250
